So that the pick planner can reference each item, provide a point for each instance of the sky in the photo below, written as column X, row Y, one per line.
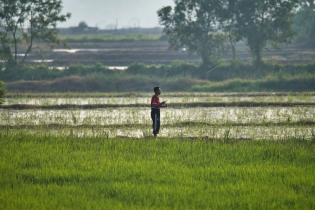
column 104, row 14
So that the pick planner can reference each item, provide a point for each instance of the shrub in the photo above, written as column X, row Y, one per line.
column 174, row 69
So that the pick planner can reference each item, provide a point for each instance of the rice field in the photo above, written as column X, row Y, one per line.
column 134, row 98
column 179, row 119
column 206, row 157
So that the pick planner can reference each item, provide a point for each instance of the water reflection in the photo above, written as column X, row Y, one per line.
column 146, row 100
column 210, row 122
column 170, row 116
column 82, row 50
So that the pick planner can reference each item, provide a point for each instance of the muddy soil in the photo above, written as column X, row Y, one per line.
column 148, row 52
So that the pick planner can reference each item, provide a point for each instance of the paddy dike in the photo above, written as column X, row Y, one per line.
column 124, row 53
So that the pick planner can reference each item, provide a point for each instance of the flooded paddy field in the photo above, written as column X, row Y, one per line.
column 148, row 52
column 144, row 98
column 215, row 122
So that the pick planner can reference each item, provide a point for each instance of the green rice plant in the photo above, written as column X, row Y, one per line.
column 258, row 122
column 74, row 118
column 44, row 171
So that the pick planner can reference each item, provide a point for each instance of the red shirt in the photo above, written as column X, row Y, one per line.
column 155, row 101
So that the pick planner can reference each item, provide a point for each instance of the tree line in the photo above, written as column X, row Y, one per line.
column 23, row 21
column 207, row 27
column 212, row 27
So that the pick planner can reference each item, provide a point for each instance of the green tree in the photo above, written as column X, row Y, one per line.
column 263, row 22
column 307, row 3
column 304, row 22
column 194, row 24
column 228, row 22
column 2, row 92
column 5, row 51
column 23, row 21
column 11, row 17
column 83, row 25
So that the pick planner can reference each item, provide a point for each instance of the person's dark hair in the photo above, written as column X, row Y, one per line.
column 156, row 89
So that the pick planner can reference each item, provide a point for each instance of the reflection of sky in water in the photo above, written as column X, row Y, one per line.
column 146, row 100
column 168, row 115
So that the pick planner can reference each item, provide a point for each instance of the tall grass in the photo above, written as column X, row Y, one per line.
column 75, row 159
column 233, row 76
column 225, row 71
column 299, row 83
column 140, row 83
column 66, row 172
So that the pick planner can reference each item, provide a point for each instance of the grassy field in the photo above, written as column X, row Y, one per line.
column 206, row 157
column 67, row 172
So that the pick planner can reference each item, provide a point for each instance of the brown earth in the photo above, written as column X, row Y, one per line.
column 150, row 52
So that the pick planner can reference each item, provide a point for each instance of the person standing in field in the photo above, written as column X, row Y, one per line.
column 155, row 110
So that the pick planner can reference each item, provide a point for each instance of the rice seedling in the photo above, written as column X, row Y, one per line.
column 204, row 158
column 72, row 171
column 267, row 119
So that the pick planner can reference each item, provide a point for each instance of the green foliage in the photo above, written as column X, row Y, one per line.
column 5, row 50
column 205, row 27
column 276, row 83
column 163, row 71
column 230, row 76
column 2, row 92
column 299, row 69
column 24, row 21
column 142, row 83
column 82, row 25
column 43, row 72
column 193, row 24
column 263, row 22
column 67, row 172
column 304, row 25
column 225, row 71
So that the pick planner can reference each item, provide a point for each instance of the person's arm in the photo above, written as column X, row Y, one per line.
column 163, row 104
column 160, row 105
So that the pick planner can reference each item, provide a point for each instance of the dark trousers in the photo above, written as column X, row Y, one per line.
column 155, row 116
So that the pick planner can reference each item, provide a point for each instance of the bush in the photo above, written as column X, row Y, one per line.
column 163, row 71
column 43, row 72
column 298, row 83
column 229, row 76
column 2, row 92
